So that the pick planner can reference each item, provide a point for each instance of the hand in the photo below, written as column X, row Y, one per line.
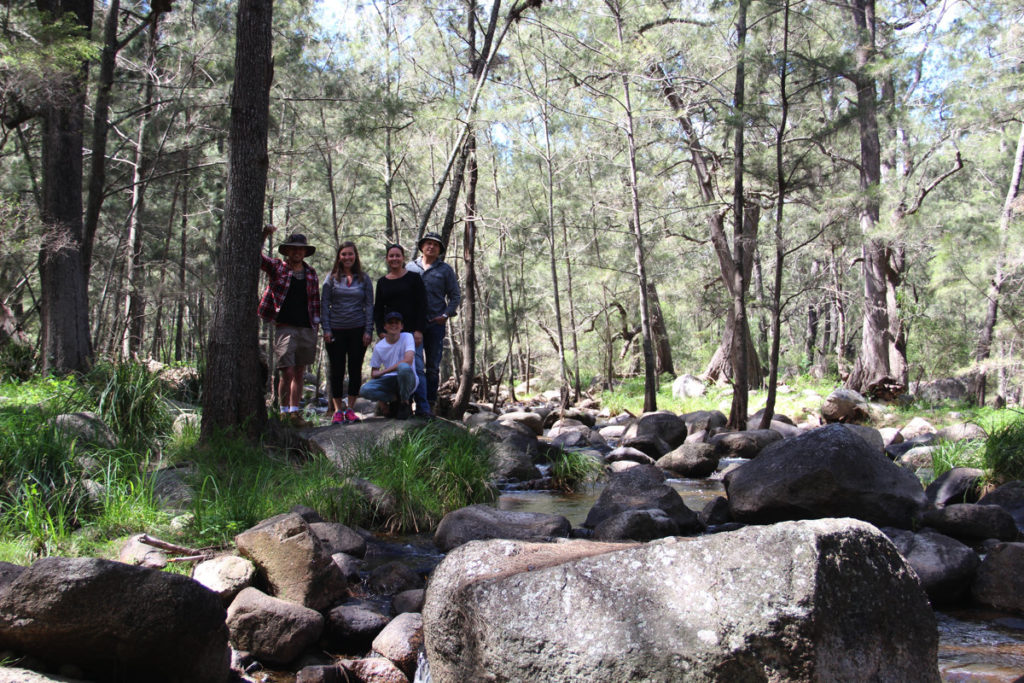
column 439, row 320
column 418, row 337
column 268, row 230
column 328, row 337
column 366, row 339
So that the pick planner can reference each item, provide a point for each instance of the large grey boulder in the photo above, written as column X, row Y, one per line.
column 533, row 421
column 226, row 576
column 400, row 641
column 293, row 562
column 352, row 628
column 1000, row 580
column 745, row 444
column 827, row 472
column 845, row 405
column 945, row 566
column 637, row 525
column 971, row 523
column 478, row 522
column 114, row 621
column 704, row 421
column 515, row 446
column 642, row 488
column 825, row 600
column 958, row 485
column 272, row 630
column 84, row 428
column 1010, row 497
column 687, row 386
column 663, row 424
column 339, row 538
column 690, row 460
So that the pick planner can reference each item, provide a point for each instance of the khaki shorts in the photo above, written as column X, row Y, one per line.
column 294, row 346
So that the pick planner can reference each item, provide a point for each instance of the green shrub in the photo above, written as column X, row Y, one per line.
column 1004, row 451
column 428, row 472
column 128, row 398
column 574, row 470
column 949, row 454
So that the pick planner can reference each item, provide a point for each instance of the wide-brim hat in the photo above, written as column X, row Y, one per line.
column 297, row 239
column 433, row 237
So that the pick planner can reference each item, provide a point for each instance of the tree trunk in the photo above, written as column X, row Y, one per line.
column 662, row 343
column 742, row 251
column 468, row 370
column 64, row 313
column 233, row 398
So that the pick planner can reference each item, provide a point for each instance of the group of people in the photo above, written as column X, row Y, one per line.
column 408, row 309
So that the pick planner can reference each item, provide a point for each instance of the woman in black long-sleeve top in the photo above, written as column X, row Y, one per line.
column 403, row 291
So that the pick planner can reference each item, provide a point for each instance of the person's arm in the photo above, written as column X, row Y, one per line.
column 368, row 309
column 267, row 264
column 326, row 298
column 453, row 292
column 313, row 291
column 378, row 310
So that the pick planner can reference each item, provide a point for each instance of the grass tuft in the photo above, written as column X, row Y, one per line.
column 1004, row 451
column 572, row 471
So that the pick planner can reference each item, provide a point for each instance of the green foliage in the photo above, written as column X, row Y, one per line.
column 128, row 398
column 1004, row 451
column 574, row 470
column 428, row 472
column 950, row 454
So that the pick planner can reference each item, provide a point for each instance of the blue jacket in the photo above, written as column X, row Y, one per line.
column 443, row 294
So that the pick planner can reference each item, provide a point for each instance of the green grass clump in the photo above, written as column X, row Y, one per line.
column 950, row 454
column 428, row 472
column 1004, row 451
column 574, row 470
column 128, row 398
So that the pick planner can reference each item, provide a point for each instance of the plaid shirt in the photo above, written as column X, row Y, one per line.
column 280, row 278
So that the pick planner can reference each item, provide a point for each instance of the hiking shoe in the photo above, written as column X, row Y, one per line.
column 404, row 412
column 350, row 416
column 339, row 418
column 298, row 421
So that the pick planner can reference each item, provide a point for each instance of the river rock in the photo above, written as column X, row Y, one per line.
column 972, row 523
column 745, row 444
column 825, row 600
column 226, row 576
column 400, row 641
column 533, row 421
column 704, row 420
column 477, row 522
column 373, row 670
column 114, row 621
column 637, row 525
column 651, row 444
column 945, row 566
column 663, row 424
column 827, row 472
column 871, row 435
column 134, row 551
column 16, row 675
column 1010, row 497
column 715, row 512
column 408, row 601
column 945, row 389
column 958, row 485
column 515, row 446
column 338, row 538
column 272, row 630
column 292, row 561
column 349, row 567
column 896, row 450
column 393, row 577
column 642, row 488
column 1000, row 581
column 85, row 428
column 627, row 453
column 965, row 431
column 695, row 460
column 845, row 405
column 917, row 457
column 918, row 426
column 352, row 628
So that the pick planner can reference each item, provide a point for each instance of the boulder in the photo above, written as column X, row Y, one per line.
column 515, row 446
column 135, row 551
column 945, row 566
column 642, row 488
column 292, row 561
column 226, row 576
column 408, row 601
column 84, row 428
column 636, row 525
column 715, row 512
column 687, row 386
column 373, row 670
column 745, row 444
column 478, row 522
column 115, row 621
column 704, row 420
column 272, row 630
column 917, row 458
column 171, row 488
column 917, row 426
column 965, row 431
column 352, row 628
column 1000, row 580
column 958, row 485
column 845, row 405
column 533, row 421
column 696, row 460
column 871, row 435
column 349, row 566
column 825, row 600
column 338, row 538
column 971, row 523
column 400, row 641
column 827, row 472
column 627, row 453
column 1010, row 497
column 584, row 417
column 651, row 444
column 897, row 449
column 946, row 389
column 393, row 577
column 663, row 424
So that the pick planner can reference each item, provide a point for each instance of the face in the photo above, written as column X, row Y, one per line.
column 347, row 256
column 431, row 249
column 294, row 254
column 395, row 258
column 393, row 326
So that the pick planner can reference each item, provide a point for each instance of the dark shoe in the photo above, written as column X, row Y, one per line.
column 403, row 412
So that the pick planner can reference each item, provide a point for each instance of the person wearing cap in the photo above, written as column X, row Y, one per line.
column 292, row 302
column 393, row 379
column 443, row 297
column 402, row 290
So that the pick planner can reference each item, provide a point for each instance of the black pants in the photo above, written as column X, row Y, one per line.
column 347, row 345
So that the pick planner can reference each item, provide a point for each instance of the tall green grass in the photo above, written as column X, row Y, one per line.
column 1004, row 450
column 427, row 472
column 573, row 470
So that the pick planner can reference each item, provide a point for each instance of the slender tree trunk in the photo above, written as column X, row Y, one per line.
column 662, row 343
column 64, row 314
column 468, row 371
column 577, row 389
column 995, row 288
column 234, row 383
column 741, row 250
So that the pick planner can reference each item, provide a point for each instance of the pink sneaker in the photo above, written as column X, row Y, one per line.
column 350, row 416
column 339, row 418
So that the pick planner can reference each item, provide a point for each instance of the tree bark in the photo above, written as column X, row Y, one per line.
column 742, row 250
column 233, row 398
column 64, row 311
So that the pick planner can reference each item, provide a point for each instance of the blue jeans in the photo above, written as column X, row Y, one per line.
column 433, row 346
column 393, row 387
column 422, row 407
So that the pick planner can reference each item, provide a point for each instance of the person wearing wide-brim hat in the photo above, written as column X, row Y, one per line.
column 292, row 302
column 443, row 298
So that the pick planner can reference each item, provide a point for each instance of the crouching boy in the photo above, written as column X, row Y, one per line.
column 393, row 379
